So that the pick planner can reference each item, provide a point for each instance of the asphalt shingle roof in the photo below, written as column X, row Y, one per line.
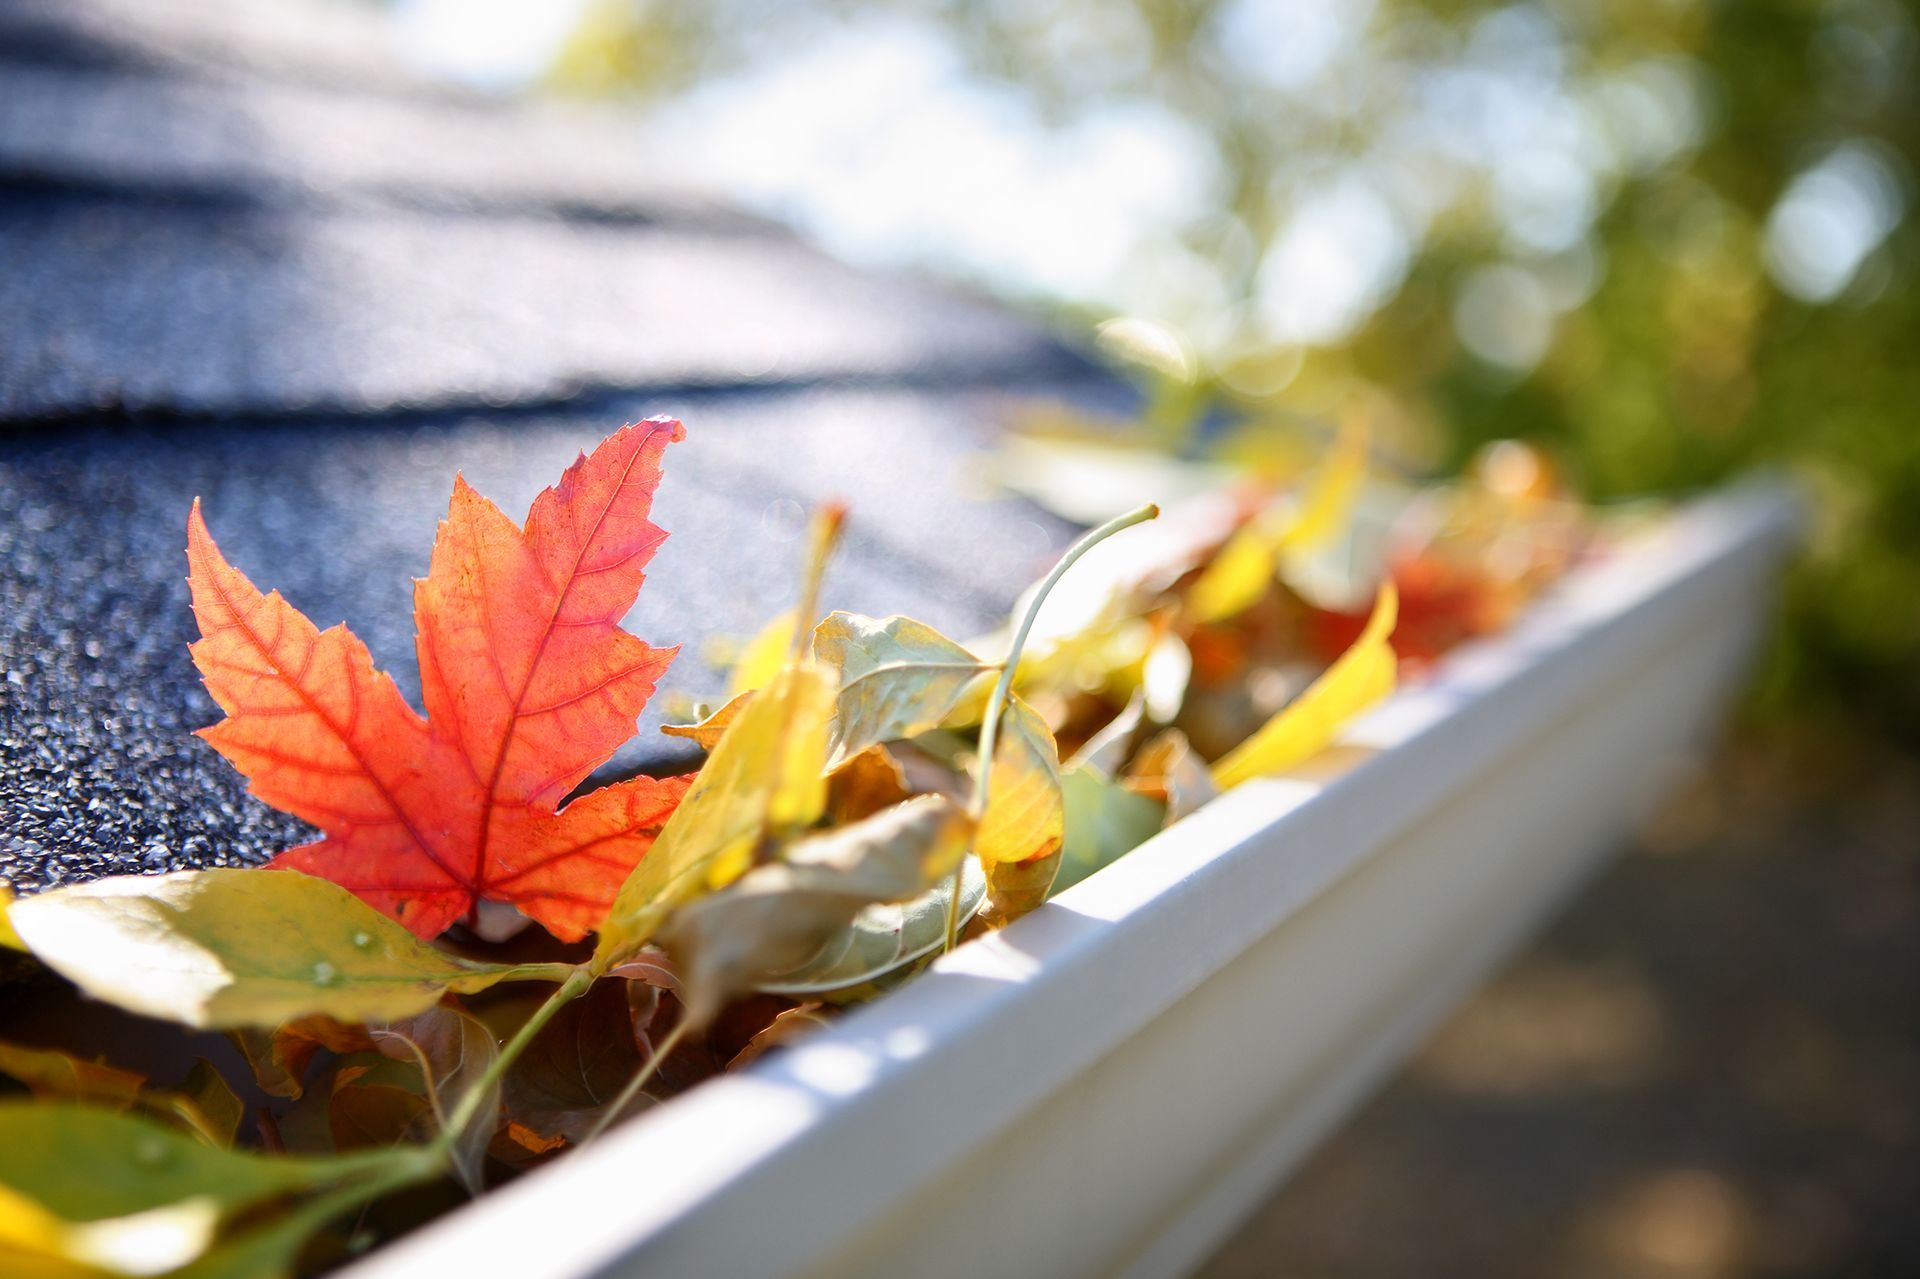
column 309, row 292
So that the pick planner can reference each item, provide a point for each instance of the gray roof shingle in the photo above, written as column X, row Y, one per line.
column 310, row 294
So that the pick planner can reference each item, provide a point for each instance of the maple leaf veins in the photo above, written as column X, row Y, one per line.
column 529, row 684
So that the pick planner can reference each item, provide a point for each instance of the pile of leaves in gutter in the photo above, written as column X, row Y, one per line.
column 469, row 973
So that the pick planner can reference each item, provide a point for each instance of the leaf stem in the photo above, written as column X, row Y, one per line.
column 1003, row 687
column 468, row 1110
column 661, row 1051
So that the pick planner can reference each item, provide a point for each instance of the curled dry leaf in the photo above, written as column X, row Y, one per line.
column 780, row 916
column 204, row 1104
column 1023, row 817
column 784, row 1029
column 279, row 1058
column 1308, row 725
column 1014, row 888
column 574, row 1068
column 50, row 1074
column 453, row 1052
column 231, row 948
column 706, row 734
column 882, row 940
column 376, row 1103
column 898, row 677
column 865, row 784
column 529, row 684
column 1169, row 770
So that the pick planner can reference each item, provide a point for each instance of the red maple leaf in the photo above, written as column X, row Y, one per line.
column 529, row 682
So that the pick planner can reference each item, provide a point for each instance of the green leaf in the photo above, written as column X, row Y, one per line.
column 125, row 1195
column 779, row 916
column 228, row 948
column 883, row 938
column 1105, row 821
column 271, row 1249
column 764, row 778
column 898, row 677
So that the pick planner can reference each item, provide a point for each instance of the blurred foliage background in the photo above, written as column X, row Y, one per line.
column 1669, row 239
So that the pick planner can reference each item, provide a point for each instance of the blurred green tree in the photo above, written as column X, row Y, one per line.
column 1669, row 239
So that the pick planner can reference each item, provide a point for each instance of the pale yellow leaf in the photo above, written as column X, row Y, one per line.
column 1244, row 568
column 762, row 657
column 764, row 779
column 779, row 916
column 898, row 677
column 231, row 948
column 1025, row 818
column 8, row 938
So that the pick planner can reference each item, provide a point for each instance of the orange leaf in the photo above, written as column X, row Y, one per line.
column 529, row 683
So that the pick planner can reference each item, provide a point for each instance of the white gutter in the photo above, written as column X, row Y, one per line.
column 1110, row 1084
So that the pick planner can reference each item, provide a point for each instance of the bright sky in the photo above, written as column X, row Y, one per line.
column 878, row 141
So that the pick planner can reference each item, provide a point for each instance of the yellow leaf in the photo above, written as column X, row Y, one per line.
column 1243, row 569
column 1025, row 817
column 1357, row 679
column 764, row 779
column 50, row 1073
column 760, row 661
column 1237, row 576
column 8, row 938
column 26, row 1226
column 1328, row 504
column 1014, row 888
